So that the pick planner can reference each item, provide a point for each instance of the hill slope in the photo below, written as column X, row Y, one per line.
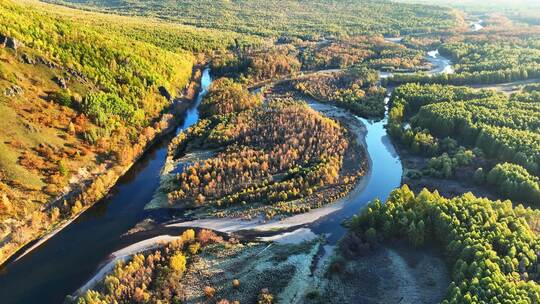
column 306, row 19
column 79, row 102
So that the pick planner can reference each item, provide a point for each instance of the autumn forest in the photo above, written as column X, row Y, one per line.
column 350, row 151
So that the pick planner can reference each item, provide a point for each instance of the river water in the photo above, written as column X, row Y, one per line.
column 476, row 26
column 67, row 260
column 384, row 176
column 386, row 167
column 440, row 64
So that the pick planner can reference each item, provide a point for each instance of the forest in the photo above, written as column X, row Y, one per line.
column 468, row 78
column 320, row 18
column 502, row 128
column 371, row 50
column 225, row 97
column 226, row 110
column 491, row 251
column 258, row 64
column 355, row 89
column 280, row 156
column 290, row 58
column 501, row 54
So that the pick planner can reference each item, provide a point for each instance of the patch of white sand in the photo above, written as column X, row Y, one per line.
column 145, row 245
column 295, row 237
column 234, row 224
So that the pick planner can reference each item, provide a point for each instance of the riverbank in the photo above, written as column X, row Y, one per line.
column 231, row 225
column 123, row 255
column 90, row 191
column 392, row 272
column 117, row 173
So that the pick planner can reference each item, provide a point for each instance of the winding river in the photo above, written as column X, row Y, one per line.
column 384, row 176
column 63, row 263
column 68, row 259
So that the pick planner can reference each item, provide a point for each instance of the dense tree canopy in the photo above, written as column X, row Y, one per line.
column 505, row 129
column 225, row 96
column 254, row 65
column 290, row 18
column 371, row 50
column 272, row 154
column 128, row 72
column 492, row 252
column 515, row 182
column 355, row 89
column 490, row 61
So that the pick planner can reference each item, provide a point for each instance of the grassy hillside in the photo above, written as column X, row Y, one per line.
column 81, row 95
column 173, row 37
column 292, row 18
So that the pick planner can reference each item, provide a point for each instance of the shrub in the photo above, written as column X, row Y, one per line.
column 194, row 248
column 91, row 136
column 265, row 297
column 371, row 235
column 62, row 97
column 209, row 292
column 207, row 237
column 62, row 168
column 75, row 209
column 313, row 295
column 178, row 263
column 188, row 235
column 479, row 176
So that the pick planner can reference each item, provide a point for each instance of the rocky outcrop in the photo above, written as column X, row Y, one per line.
column 13, row 43
column 76, row 74
column 165, row 93
column 27, row 59
column 46, row 62
column 60, row 81
column 10, row 42
column 13, row 91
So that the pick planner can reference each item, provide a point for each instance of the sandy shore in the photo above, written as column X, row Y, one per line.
column 295, row 237
column 124, row 254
